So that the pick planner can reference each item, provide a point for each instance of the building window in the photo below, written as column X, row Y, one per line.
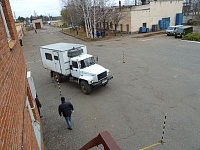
column 121, row 27
column 111, row 25
column 144, row 25
column 48, row 56
column 4, row 22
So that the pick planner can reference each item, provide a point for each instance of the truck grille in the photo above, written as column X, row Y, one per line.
column 102, row 75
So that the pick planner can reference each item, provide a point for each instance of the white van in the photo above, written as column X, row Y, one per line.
column 171, row 29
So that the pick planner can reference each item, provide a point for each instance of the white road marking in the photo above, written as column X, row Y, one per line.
column 33, row 61
column 147, row 40
column 191, row 41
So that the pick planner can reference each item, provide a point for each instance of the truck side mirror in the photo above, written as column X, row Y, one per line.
column 71, row 67
column 96, row 59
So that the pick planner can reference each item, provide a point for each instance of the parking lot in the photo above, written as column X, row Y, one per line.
column 160, row 75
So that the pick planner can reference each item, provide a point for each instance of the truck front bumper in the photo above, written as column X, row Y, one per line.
column 102, row 81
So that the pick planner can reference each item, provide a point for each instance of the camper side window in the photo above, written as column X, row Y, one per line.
column 74, row 64
column 48, row 56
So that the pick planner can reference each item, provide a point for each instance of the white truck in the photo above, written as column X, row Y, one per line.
column 67, row 59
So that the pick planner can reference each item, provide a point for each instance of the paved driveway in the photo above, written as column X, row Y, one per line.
column 160, row 75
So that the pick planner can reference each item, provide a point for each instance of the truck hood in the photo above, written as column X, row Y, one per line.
column 94, row 69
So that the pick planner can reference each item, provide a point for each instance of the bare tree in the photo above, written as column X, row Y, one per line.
column 116, row 16
column 86, row 9
column 104, row 12
column 90, row 12
column 94, row 16
column 65, row 15
column 196, row 7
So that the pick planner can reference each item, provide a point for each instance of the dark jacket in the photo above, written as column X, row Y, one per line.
column 66, row 109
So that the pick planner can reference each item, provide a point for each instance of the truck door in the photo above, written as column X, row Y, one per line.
column 57, row 62
column 75, row 71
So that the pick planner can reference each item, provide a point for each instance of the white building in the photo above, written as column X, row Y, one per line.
column 37, row 24
column 149, row 14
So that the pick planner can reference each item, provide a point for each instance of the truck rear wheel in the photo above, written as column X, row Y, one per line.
column 58, row 76
column 51, row 73
column 85, row 87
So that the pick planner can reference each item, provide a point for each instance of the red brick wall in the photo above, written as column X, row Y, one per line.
column 15, row 120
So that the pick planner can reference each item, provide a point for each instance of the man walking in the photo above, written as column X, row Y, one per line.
column 20, row 41
column 66, row 109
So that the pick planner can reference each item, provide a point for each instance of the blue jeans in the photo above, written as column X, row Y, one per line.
column 68, row 119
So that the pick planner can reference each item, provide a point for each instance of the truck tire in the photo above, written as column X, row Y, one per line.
column 51, row 73
column 85, row 87
column 105, row 83
column 59, row 77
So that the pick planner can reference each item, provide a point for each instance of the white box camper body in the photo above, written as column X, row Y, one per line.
column 55, row 56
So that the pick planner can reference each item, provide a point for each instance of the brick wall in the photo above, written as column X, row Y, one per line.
column 16, row 128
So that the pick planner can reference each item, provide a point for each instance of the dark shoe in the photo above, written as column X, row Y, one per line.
column 69, row 128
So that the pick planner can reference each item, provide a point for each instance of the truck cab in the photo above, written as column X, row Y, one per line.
column 88, row 73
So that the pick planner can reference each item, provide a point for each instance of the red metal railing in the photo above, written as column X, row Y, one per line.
column 103, row 138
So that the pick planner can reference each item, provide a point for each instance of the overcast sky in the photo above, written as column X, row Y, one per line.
column 25, row 8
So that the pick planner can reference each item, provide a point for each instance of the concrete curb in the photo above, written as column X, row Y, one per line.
column 74, row 36
column 148, row 34
column 191, row 41
column 136, row 35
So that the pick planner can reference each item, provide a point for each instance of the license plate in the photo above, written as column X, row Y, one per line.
column 104, row 81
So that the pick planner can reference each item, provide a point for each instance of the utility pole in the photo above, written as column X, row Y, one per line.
column 15, row 16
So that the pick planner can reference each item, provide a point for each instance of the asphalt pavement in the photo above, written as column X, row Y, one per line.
column 160, row 75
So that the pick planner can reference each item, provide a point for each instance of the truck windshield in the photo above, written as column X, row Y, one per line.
column 87, row 62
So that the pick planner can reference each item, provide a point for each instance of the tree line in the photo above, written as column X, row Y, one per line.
column 191, row 7
column 91, row 15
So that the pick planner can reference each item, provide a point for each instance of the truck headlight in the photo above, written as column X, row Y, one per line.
column 91, row 81
column 108, row 73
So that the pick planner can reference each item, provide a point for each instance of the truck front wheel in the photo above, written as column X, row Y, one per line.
column 105, row 83
column 85, row 87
